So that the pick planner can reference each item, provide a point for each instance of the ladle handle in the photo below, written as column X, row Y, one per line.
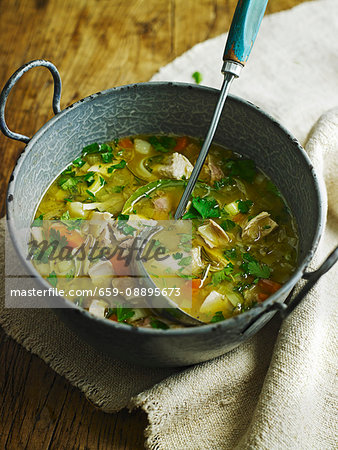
column 243, row 31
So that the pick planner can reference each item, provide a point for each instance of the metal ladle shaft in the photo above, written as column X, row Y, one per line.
column 242, row 35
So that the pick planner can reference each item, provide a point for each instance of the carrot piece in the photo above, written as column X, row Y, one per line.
column 190, row 287
column 262, row 296
column 269, row 286
column 120, row 269
column 195, row 284
column 74, row 238
column 126, row 143
column 181, row 143
column 113, row 317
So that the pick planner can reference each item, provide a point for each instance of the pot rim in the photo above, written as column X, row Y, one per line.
column 255, row 311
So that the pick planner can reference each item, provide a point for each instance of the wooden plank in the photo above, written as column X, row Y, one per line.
column 39, row 409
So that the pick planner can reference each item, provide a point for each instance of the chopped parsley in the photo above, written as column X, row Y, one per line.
column 79, row 162
column 222, row 275
column 123, row 217
column 258, row 270
column 72, row 224
column 65, row 216
column 251, row 266
column 124, row 313
column 121, row 165
column 244, row 206
column 123, row 226
column 38, row 221
column 55, row 236
column 177, row 255
column 197, row 76
column 185, row 261
column 91, row 148
column 91, row 195
column 107, row 157
column 52, row 278
column 242, row 168
column 70, row 275
column 231, row 254
column 89, row 178
column 227, row 225
column 158, row 324
column 221, row 183
column 162, row 144
column 273, row 188
column 217, row 317
column 69, row 182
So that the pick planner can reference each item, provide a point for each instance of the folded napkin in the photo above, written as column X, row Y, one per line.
column 278, row 389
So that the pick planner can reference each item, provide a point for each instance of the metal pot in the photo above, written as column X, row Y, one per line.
column 169, row 108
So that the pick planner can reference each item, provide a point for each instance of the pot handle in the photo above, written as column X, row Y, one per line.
column 12, row 82
column 311, row 277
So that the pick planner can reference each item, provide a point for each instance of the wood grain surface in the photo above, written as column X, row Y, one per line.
column 96, row 44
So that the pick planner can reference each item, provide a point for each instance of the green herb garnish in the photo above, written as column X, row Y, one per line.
column 227, row 225
column 79, row 162
column 185, row 261
column 158, row 324
column 177, row 255
column 38, row 221
column 273, row 188
column 242, row 168
column 202, row 207
column 123, row 226
column 251, row 266
column 91, row 194
column 124, row 313
column 223, row 182
column 258, row 270
column 89, row 178
column 69, row 182
column 121, row 165
column 231, row 254
column 107, row 157
column 218, row 317
column 197, row 76
column 222, row 275
column 52, row 278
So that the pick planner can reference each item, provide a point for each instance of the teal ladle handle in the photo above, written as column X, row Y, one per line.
column 243, row 31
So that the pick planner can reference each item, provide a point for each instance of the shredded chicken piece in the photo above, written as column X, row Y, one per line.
column 97, row 308
column 216, row 173
column 196, row 262
column 258, row 227
column 213, row 234
column 177, row 166
column 102, row 270
column 99, row 224
column 162, row 203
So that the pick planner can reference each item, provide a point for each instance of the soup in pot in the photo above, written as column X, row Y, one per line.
column 241, row 247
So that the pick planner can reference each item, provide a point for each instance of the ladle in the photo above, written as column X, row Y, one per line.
column 242, row 35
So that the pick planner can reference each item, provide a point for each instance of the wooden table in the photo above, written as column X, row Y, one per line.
column 95, row 45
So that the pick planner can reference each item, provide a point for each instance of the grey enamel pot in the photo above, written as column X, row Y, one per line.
column 169, row 108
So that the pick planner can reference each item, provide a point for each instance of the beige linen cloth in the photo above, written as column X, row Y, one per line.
column 278, row 390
